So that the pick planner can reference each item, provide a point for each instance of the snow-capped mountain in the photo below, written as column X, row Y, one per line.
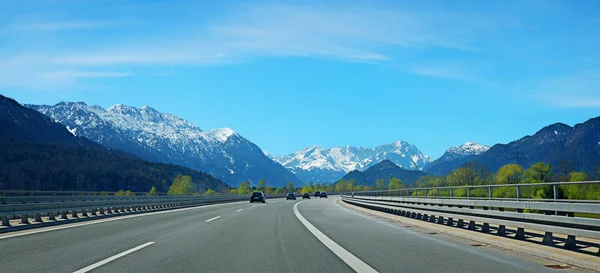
column 467, row 149
column 162, row 137
column 326, row 165
column 552, row 144
column 456, row 153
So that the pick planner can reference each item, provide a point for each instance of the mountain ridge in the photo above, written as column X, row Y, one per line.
column 383, row 170
column 163, row 137
column 41, row 154
column 318, row 164
column 580, row 144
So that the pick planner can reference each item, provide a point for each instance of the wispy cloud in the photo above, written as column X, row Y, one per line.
column 168, row 56
column 353, row 33
column 69, row 77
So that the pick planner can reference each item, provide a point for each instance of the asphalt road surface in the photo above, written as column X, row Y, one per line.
column 244, row 237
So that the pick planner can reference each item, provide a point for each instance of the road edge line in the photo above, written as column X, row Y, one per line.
column 112, row 258
column 354, row 262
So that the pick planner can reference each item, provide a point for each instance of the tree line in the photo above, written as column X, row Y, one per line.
column 471, row 174
column 28, row 165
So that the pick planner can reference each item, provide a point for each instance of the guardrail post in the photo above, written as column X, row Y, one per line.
column 485, row 228
column 451, row 193
column 548, row 238
column 555, row 190
column 74, row 214
column 501, row 230
column 570, row 243
column 460, row 223
column 93, row 212
column 84, row 213
column 450, row 222
column 490, row 192
column 101, row 211
column 425, row 217
column 520, row 235
column 440, row 220
column 51, row 216
column 471, row 225
column 24, row 218
column 468, row 193
column 63, row 215
column 518, row 192
column 37, row 218
column 5, row 221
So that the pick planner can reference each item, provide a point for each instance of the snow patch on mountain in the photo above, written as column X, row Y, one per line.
column 163, row 137
column 467, row 149
column 325, row 165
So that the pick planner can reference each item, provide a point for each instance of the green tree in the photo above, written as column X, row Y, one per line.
column 538, row 173
column 269, row 190
column 307, row 189
column 262, row 184
column 509, row 174
column 380, row 184
column 289, row 186
column 103, row 193
column 152, row 191
column 395, row 184
column 120, row 193
column 244, row 188
column 209, row 192
column 280, row 190
column 128, row 193
column 182, row 185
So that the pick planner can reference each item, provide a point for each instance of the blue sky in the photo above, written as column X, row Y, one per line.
column 289, row 74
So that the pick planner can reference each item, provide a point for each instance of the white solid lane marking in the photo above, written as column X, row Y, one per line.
column 351, row 260
column 238, row 210
column 92, row 222
column 214, row 218
column 110, row 259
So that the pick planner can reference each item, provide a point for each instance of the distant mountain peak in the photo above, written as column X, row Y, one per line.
column 468, row 148
column 164, row 137
column 315, row 163
column 222, row 134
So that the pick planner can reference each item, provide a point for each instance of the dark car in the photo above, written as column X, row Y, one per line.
column 257, row 196
column 305, row 196
column 323, row 195
column 317, row 194
column 290, row 195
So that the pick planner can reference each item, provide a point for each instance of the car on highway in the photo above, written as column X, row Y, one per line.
column 317, row 194
column 257, row 196
column 306, row 196
column 291, row 196
column 323, row 194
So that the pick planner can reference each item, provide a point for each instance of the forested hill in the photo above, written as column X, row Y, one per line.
column 39, row 154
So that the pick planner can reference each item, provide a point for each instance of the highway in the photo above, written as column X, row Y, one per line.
column 244, row 237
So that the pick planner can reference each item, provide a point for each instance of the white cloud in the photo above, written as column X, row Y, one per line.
column 366, row 33
column 69, row 77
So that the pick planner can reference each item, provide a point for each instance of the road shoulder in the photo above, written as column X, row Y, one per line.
column 560, row 256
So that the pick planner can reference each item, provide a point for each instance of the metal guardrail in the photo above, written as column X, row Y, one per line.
column 450, row 190
column 38, row 211
column 547, row 215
